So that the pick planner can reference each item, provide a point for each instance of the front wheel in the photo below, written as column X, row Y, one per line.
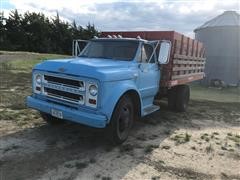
column 121, row 121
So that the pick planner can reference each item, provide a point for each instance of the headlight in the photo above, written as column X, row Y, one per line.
column 93, row 90
column 38, row 79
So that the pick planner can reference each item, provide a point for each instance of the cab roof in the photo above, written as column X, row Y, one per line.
column 119, row 39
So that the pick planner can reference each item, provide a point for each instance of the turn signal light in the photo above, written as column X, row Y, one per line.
column 92, row 101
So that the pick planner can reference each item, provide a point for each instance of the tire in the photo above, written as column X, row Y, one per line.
column 50, row 119
column 172, row 95
column 121, row 121
column 182, row 99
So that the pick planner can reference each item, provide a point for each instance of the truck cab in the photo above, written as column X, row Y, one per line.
column 109, row 84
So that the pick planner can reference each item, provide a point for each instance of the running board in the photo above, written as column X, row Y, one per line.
column 150, row 109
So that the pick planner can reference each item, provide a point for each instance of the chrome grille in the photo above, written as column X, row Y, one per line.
column 64, row 81
column 64, row 88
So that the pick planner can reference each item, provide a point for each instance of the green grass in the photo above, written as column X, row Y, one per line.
column 24, row 65
column 235, row 138
column 25, row 62
column 213, row 94
column 181, row 138
column 22, row 118
column 15, row 85
column 126, row 148
column 81, row 165
column 149, row 148
column 209, row 148
column 28, row 65
column 205, row 137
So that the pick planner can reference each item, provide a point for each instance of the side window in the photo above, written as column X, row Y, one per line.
column 146, row 53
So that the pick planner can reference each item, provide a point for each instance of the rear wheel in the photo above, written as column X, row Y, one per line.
column 172, row 95
column 121, row 121
column 50, row 119
column 182, row 99
column 178, row 98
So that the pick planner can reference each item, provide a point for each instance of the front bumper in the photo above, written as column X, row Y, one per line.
column 86, row 118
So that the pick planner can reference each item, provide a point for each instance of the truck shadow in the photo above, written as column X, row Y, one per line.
column 71, row 151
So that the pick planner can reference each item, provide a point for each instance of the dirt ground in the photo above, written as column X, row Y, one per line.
column 202, row 143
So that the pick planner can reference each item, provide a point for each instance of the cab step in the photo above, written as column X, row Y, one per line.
column 150, row 109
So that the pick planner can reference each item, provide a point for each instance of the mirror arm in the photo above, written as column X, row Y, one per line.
column 72, row 48
column 154, row 50
column 76, row 48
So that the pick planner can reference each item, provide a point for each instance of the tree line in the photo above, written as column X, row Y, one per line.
column 36, row 32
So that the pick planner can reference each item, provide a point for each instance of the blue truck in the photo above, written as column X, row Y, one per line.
column 109, row 84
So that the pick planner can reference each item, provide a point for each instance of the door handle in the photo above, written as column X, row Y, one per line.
column 143, row 68
column 135, row 75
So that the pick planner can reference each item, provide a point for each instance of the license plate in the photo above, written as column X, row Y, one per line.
column 57, row 114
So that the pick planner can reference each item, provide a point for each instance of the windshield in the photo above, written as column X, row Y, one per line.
column 111, row 49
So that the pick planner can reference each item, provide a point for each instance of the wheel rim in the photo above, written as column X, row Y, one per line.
column 124, row 121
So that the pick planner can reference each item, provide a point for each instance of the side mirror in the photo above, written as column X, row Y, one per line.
column 164, row 52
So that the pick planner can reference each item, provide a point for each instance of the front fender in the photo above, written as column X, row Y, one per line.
column 112, row 92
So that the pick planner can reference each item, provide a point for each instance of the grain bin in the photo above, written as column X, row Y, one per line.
column 221, row 38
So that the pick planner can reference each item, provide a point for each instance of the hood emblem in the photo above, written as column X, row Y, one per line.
column 61, row 69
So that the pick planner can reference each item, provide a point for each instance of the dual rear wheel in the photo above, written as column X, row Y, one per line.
column 178, row 98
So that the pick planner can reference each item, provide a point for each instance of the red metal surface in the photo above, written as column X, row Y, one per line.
column 192, row 50
column 186, row 80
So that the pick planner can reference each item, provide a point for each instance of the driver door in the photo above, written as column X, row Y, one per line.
column 149, row 74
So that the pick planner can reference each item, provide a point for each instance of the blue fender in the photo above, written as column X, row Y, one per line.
column 113, row 92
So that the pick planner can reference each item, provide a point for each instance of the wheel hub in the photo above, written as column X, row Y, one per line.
column 124, row 119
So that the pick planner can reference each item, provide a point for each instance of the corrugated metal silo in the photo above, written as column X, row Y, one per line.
column 221, row 38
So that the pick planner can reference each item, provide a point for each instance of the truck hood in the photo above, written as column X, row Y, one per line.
column 101, row 69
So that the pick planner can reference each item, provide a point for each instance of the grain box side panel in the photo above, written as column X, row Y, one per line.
column 190, row 48
column 186, row 62
column 184, row 45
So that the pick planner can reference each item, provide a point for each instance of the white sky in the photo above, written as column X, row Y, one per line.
column 179, row 15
